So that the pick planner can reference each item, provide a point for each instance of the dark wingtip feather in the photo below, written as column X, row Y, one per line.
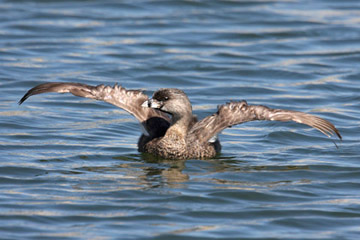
column 23, row 99
column 42, row 88
column 325, row 127
column 338, row 133
column 35, row 90
column 330, row 128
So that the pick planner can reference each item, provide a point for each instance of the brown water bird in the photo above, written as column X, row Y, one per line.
column 171, row 130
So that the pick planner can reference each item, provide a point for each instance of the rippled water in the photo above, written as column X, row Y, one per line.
column 70, row 168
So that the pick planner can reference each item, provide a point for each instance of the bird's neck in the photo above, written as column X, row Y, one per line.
column 180, row 124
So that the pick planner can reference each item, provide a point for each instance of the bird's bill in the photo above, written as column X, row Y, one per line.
column 151, row 103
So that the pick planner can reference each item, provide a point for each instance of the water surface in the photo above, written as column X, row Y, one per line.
column 70, row 168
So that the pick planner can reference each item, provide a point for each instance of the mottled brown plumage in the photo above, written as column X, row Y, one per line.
column 182, row 136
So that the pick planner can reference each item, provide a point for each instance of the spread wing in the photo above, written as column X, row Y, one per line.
column 129, row 100
column 239, row 112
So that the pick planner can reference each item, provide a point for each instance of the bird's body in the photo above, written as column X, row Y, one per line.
column 180, row 136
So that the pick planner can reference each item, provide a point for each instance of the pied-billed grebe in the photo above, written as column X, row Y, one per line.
column 180, row 136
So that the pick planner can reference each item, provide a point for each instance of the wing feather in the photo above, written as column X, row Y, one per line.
column 129, row 100
column 234, row 113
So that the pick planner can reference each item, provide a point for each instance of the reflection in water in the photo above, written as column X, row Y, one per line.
column 159, row 172
column 148, row 171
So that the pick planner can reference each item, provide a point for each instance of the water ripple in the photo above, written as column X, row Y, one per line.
column 70, row 168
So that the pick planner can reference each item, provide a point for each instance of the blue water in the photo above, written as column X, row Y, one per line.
column 70, row 168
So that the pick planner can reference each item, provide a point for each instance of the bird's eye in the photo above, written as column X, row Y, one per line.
column 166, row 98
